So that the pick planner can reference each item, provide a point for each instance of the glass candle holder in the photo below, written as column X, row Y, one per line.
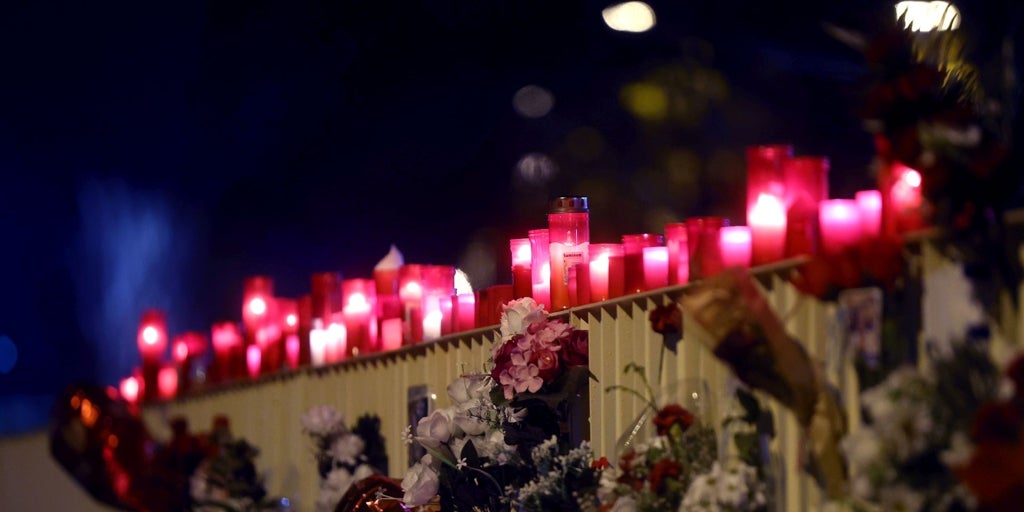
column 325, row 294
column 522, row 274
column 633, row 259
column 806, row 187
column 840, row 225
column 703, row 241
column 540, row 266
column 603, row 258
column 870, row 204
column 678, row 253
column 358, row 298
column 767, row 222
column 765, row 172
column 569, row 237
column 152, row 336
column 735, row 246
column 655, row 267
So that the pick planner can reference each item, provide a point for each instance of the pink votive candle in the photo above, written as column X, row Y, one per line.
column 129, row 388
column 767, row 222
column 655, row 267
column 675, row 241
column 840, row 224
column 632, row 259
column 167, row 382
column 736, row 246
column 600, row 269
column 292, row 348
column 540, row 266
column 253, row 359
column 391, row 334
column 464, row 311
column 703, row 240
column 869, row 202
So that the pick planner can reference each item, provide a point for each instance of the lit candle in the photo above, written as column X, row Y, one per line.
column 167, row 382
column 152, row 338
column 385, row 272
column 431, row 318
column 358, row 297
column 583, row 295
column 633, row 259
column 292, row 348
column 806, row 181
column 600, row 254
column 410, row 284
column 767, row 222
column 318, row 340
column 391, row 334
column 465, row 312
column 447, row 320
column 765, row 175
column 569, row 235
column 840, row 224
column 736, row 246
column 257, row 305
column 540, row 266
column 337, row 340
column 655, row 267
column 227, row 342
column 129, row 388
column 253, row 358
column 522, row 274
column 869, row 202
column 906, row 199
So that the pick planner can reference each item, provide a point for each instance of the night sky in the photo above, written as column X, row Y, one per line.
column 155, row 155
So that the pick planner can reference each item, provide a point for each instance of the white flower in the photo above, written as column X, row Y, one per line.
column 624, row 504
column 465, row 390
column 607, row 483
column 518, row 314
column 862, row 449
column 420, row 483
column 407, row 435
column 323, row 420
column 436, row 429
column 347, row 448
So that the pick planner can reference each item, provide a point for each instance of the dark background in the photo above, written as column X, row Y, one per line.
column 155, row 155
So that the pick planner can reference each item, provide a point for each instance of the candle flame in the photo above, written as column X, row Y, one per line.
column 768, row 211
column 150, row 335
column 258, row 306
column 291, row 320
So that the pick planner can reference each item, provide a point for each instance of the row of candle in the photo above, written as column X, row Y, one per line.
column 788, row 214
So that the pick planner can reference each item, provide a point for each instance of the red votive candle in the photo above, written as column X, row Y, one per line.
column 655, row 267
column 358, row 298
column 167, row 382
column 574, row 285
column 464, row 309
column 704, row 245
column 227, row 342
column 678, row 253
column 257, row 299
column 391, row 334
column 840, row 224
column 179, row 351
column 498, row 295
column 736, row 246
column 325, row 295
column 766, row 173
column 806, row 181
column 447, row 311
column 569, row 236
column 601, row 256
column 583, row 295
column 522, row 274
column 432, row 318
column 292, row 347
column 869, row 202
column 540, row 266
column 152, row 337
column 633, row 259
column 767, row 222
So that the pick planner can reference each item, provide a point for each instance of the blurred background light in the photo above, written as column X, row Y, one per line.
column 918, row 16
column 533, row 101
column 8, row 354
column 629, row 17
column 536, row 168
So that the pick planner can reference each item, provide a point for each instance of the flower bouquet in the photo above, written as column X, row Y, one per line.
column 343, row 456
column 502, row 439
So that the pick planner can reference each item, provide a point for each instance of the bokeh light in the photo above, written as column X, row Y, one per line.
column 536, row 168
column 629, row 17
column 646, row 100
column 533, row 101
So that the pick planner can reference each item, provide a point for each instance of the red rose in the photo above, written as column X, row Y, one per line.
column 547, row 363
column 576, row 349
column 665, row 468
column 670, row 415
column 601, row 464
column 503, row 358
column 666, row 319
